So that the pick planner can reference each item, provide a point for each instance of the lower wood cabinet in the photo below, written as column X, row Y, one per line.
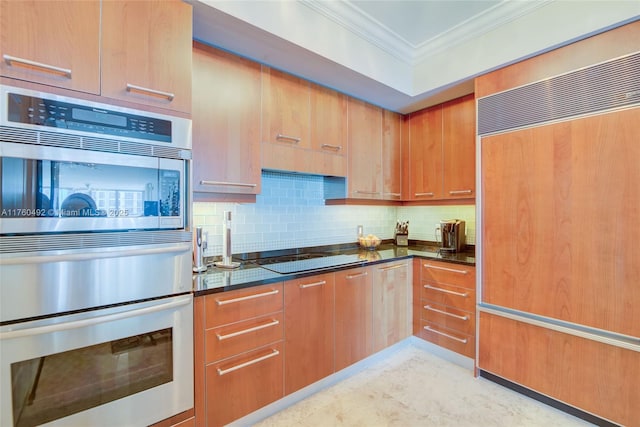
column 593, row 376
column 239, row 353
column 391, row 303
column 444, row 305
column 309, row 333
column 354, row 340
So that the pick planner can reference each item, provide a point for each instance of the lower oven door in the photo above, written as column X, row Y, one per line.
column 130, row 365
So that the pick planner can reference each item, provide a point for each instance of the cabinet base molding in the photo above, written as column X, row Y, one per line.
column 578, row 413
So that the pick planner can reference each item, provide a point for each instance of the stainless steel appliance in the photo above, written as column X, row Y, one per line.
column 452, row 234
column 95, row 263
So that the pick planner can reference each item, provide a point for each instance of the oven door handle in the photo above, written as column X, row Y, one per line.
column 20, row 333
column 90, row 255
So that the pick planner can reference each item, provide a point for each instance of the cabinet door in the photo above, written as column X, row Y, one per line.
column 309, row 332
column 353, row 316
column 459, row 148
column 425, row 156
column 561, row 221
column 53, row 43
column 146, row 52
column 364, row 179
column 285, row 109
column 391, row 303
column 226, row 123
column 328, row 120
column 391, row 155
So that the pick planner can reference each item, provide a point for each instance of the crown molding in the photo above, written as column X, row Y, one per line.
column 350, row 17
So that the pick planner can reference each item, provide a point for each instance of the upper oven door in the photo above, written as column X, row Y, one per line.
column 51, row 189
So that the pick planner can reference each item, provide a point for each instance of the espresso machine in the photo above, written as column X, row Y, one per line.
column 452, row 235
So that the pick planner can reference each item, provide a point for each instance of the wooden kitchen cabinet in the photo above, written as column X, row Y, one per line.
column 441, row 152
column 354, row 322
column 303, row 126
column 391, row 155
column 446, row 314
column 365, row 151
column 226, row 124
column 391, row 291
column 52, row 43
column 132, row 51
column 459, row 148
column 239, row 352
column 424, row 157
column 309, row 330
column 146, row 53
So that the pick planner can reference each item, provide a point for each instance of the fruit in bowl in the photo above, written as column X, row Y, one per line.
column 369, row 242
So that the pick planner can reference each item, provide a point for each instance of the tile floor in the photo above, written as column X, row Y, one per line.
column 413, row 387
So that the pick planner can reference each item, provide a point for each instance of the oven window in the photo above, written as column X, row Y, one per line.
column 47, row 188
column 55, row 386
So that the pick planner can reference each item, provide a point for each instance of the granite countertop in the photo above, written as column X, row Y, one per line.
column 249, row 274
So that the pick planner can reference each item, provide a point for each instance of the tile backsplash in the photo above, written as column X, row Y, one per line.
column 290, row 212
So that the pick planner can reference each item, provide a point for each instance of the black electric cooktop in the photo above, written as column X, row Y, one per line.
column 307, row 262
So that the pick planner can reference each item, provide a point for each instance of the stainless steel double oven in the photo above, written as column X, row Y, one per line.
column 96, row 308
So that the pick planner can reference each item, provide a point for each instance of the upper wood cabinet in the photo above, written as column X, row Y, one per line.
column 226, row 124
column 441, row 152
column 391, row 155
column 146, row 52
column 459, row 148
column 364, row 180
column 133, row 51
column 303, row 125
column 53, row 43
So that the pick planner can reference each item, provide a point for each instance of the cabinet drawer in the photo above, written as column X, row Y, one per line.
column 449, row 317
column 454, row 296
column 453, row 274
column 243, row 384
column 234, row 306
column 447, row 338
column 236, row 338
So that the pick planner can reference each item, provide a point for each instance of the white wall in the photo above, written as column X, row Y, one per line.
column 291, row 213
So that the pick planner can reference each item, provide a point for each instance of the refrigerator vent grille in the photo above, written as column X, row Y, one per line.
column 611, row 84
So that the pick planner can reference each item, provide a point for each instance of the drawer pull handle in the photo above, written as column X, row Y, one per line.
column 393, row 194
column 248, row 297
column 273, row 353
column 462, row 340
column 227, row 184
column 447, row 291
column 293, row 139
column 429, row 194
column 152, row 92
column 428, row 307
column 46, row 67
column 459, row 192
column 355, row 276
column 392, row 267
column 311, row 285
column 365, row 192
column 332, row 147
column 273, row 322
column 451, row 270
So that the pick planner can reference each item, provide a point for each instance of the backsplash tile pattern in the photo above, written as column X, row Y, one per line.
column 290, row 212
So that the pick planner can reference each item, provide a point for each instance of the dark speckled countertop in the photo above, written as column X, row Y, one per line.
column 251, row 274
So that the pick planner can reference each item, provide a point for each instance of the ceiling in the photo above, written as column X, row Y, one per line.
column 400, row 54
